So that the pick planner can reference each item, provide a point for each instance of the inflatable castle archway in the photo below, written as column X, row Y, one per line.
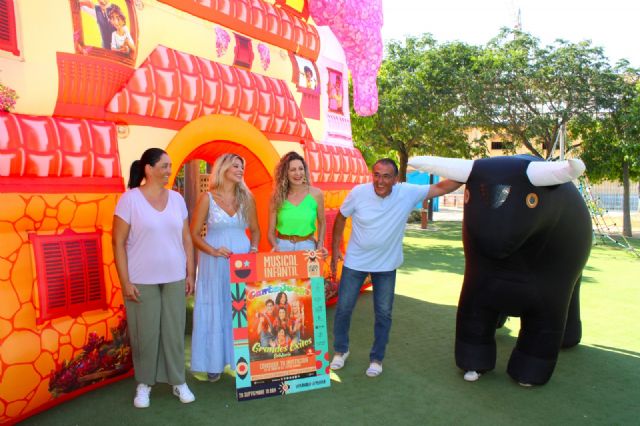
column 208, row 137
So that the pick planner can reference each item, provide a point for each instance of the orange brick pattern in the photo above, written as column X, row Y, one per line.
column 29, row 352
column 258, row 19
column 177, row 86
column 40, row 146
column 336, row 165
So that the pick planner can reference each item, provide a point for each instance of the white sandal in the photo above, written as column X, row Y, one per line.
column 374, row 370
column 338, row 361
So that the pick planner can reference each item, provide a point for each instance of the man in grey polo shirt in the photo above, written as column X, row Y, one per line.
column 379, row 212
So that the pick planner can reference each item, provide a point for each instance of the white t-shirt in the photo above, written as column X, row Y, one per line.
column 377, row 225
column 117, row 40
column 155, row 252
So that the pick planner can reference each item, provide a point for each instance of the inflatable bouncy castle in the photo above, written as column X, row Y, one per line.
column 86, row 86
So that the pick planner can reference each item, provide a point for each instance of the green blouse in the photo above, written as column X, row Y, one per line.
column 298, row 220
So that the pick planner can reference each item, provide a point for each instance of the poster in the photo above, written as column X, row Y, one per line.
column 335, row 91
column 307, row 74
column 107, row 29
column 279, row 324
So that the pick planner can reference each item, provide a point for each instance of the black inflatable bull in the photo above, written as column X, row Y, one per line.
column 527, row 236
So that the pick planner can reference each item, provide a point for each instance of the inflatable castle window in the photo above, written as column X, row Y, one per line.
column 8, row 39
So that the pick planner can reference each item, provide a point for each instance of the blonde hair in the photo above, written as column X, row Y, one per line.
column 281, row 188
column 242, row 193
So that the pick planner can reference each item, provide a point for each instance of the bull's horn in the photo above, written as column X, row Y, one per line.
column 543, row 173
column 456, row 169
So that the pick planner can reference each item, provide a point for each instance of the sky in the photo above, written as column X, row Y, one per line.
column 612, row 24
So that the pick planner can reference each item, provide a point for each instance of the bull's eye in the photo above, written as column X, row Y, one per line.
column 467, row 195
column 532, row 200
column 494, row 196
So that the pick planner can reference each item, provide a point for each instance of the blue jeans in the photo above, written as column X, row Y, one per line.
column 286, row 245
column 384, row 284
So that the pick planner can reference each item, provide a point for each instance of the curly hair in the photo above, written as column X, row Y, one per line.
column 220, row 167
column 281, row 188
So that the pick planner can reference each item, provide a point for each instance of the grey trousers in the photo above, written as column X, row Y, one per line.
column 156, row 331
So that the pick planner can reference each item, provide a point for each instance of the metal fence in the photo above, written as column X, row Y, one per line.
column 609, row 195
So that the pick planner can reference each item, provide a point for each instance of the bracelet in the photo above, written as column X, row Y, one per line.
column 253, row 248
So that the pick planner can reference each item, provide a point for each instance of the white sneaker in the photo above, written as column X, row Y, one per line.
column 183, row 393
column 471, row 376
column 142, row 396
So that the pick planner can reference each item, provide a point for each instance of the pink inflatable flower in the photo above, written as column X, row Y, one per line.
column 222, row 41
column 265, row 55
column 356, row 24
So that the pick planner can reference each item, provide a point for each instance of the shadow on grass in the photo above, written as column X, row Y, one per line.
column 437, row 258
column 587, row 275
column 443, row 231
column 420, row 385
column 437, row 248
column 592, row 384
column 616, row 240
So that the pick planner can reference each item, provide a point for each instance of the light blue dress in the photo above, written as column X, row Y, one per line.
column 212, row 337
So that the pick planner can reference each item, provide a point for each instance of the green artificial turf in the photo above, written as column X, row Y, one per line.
column 597, row 382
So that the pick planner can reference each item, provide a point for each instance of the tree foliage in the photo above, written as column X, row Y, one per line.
column 611, row 138
column 527, row 93
column 419, row 102
column 432, row 95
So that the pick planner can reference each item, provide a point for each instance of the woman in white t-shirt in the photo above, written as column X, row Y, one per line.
column 154, row 259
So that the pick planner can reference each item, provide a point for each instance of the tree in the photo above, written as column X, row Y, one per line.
column 527, row 93
column 611, row 138
column 419, row 102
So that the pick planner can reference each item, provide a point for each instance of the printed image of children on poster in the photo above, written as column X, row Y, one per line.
column 281, row 339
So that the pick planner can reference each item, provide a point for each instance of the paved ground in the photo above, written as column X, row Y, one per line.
column 612, row 221
column 446, row 214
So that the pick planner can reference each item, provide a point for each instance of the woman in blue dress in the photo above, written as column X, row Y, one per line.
column 228, row 209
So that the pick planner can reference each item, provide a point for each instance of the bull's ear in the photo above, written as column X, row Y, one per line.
column 457, row 169
column 543, row 173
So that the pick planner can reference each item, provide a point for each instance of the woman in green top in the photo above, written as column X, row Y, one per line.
column 296, row 211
